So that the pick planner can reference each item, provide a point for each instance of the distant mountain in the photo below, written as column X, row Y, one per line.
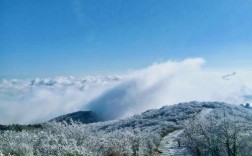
column 80, row 116
column 17, row 127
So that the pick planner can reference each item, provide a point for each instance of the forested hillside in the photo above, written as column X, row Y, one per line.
column 194, row 128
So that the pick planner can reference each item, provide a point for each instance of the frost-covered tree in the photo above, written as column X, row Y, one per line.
column 77, row 139
column 220, row 134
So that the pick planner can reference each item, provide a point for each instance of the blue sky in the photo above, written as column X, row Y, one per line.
column 93, row 37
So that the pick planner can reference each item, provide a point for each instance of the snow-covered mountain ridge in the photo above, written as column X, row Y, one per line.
column 181, row 129
column 174, row 115
column 157, row 118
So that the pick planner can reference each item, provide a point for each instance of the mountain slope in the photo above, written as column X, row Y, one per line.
column 170, row 123
column 167, row 116
column 180, row 129
column 80, row 116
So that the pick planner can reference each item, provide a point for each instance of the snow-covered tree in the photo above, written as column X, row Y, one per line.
column 219, row 133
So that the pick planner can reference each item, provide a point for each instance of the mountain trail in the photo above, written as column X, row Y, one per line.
column 170, row 145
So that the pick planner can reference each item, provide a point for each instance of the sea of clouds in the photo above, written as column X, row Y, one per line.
column 118, row 96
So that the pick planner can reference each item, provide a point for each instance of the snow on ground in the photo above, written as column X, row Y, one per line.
column 169, row 146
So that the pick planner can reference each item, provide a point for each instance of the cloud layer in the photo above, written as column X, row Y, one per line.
column 38, row 100
column 112, row 97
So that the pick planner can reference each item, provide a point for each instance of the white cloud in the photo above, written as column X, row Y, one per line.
column 169, row 83
column 29, row 101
